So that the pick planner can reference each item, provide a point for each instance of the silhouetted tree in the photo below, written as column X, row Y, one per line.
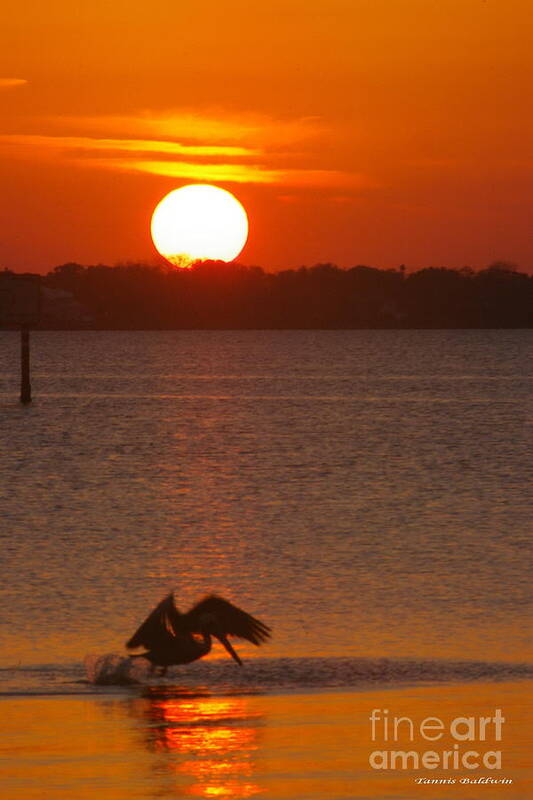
column 213, row 294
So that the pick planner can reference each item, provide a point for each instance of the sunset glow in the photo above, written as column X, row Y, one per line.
column 266, row 294
column 199, row 222
column 382, row 133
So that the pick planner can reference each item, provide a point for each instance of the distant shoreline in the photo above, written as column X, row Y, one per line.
column 220, row 296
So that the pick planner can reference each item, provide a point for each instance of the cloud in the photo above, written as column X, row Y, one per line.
column 232, row 173
column 193, row 146
column 87, row 144
column 212, row 126
column 11, row 83
column 238, row 173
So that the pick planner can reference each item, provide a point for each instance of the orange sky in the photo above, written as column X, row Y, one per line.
column 353, row 131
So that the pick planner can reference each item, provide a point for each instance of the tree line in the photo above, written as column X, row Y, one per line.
column 217, row 295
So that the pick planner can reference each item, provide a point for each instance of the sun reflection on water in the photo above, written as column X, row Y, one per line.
column 217, row 736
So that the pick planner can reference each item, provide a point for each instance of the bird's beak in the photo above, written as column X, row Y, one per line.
column 229, row 648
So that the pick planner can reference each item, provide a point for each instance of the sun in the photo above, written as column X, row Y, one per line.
column 199, row 222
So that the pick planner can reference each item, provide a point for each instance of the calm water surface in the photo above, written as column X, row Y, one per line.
column 366, row 493
column 163, row 746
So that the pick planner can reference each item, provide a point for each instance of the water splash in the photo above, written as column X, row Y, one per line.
column 264, row 675
column 113, row 670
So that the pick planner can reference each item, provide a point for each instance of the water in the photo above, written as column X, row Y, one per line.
column 365, row 493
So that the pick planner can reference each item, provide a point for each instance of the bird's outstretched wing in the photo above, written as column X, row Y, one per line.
column 161, row 624
column 230, row 620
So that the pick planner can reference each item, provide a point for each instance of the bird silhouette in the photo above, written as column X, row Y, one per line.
column 174, row 638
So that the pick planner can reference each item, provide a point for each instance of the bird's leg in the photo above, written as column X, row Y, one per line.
column 152, row 669
column 163, row 672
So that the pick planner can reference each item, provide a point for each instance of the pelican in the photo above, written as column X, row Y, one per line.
column 174, row 638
